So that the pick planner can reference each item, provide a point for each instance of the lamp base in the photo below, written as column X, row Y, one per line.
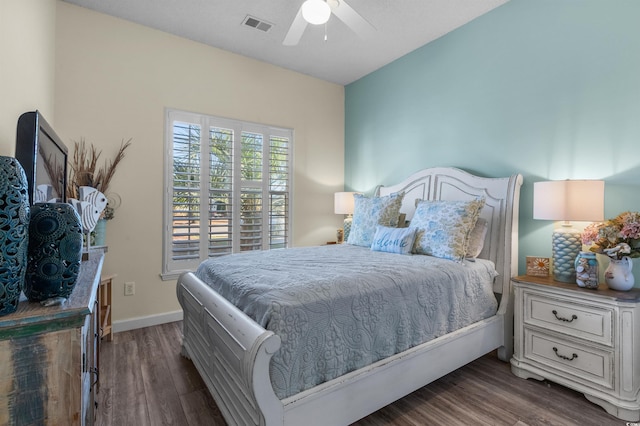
column 347, row 228
column 566, row 247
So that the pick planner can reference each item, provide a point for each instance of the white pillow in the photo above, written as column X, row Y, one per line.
column 443, row 227
column 393, row 240
column 368, row 213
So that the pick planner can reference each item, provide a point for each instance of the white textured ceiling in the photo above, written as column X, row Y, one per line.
column 401, row 27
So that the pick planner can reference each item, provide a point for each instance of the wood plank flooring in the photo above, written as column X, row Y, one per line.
column 145, row 381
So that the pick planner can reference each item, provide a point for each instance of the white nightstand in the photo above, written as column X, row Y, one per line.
column 587, row 340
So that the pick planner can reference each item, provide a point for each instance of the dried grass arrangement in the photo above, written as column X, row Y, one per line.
column 85, row 171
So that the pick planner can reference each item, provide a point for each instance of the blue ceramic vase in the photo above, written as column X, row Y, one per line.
column 14, row 227
column 55, row 251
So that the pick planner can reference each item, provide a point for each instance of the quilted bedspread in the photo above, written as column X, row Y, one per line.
column 341, row 307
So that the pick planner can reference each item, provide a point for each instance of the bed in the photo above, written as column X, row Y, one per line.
column 236, row 355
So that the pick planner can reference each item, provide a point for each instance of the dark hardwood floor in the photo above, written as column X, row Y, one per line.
column 145, row 381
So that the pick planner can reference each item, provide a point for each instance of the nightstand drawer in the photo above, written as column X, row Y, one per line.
column 585, row 363
column 575, row 319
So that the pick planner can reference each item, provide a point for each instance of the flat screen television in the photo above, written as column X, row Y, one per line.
column 43, row 157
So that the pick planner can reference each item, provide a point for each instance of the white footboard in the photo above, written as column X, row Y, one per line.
column 231, row 352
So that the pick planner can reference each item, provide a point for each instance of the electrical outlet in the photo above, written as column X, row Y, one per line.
column 129, row 288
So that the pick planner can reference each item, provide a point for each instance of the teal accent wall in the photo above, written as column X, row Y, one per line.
column 546, row 88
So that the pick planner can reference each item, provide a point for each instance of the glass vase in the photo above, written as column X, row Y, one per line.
column 100, row 233
column 587, row 273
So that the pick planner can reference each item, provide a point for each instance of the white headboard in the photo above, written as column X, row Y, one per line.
column 500, row 211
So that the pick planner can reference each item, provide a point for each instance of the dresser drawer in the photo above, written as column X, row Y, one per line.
column 581, row 320
column 584, row 363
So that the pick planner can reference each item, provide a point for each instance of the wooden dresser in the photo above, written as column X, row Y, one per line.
column 48, row 357
column 587, row 340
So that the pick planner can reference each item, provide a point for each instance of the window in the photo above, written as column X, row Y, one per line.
column 227, row 189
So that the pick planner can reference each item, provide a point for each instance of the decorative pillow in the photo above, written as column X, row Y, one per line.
column 443, row 227
column 371, row 212
column 476, row 238
column 393, row 240
column 402, row 220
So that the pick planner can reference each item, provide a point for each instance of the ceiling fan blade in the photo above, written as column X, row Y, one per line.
column 295, row 30
column 353, row 19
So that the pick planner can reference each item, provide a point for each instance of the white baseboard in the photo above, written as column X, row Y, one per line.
column 148, row 321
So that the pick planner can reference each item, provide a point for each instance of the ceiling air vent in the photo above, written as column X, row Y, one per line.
column 252, row 22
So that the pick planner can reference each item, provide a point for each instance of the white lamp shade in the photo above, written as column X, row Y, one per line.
column 569, row 200
column 343, row 202
column 316, row 12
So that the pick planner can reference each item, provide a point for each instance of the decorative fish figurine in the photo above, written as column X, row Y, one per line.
column 90, row 206
column 93, row 196
column 43, row 194
column 84, row 210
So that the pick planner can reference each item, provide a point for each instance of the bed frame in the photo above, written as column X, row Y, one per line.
column 232, row 352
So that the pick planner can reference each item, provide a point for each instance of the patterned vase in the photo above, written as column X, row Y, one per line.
column 346, row 228
column 566, row 247
column 14, row 228
column 55, row 251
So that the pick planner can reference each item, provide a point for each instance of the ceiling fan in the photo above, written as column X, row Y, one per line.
column 317, row 12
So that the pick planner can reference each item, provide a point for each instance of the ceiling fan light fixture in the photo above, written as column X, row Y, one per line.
column 316, row 12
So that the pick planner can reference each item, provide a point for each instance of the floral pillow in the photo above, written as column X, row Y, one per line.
column 443, row 227
column 393, row 240
column 368, row 213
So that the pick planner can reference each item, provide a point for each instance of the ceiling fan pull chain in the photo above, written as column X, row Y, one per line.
column 325, row 31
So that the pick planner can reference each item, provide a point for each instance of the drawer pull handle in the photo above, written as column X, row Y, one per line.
column 573, row 317
column 574, row 356
column 95, row 371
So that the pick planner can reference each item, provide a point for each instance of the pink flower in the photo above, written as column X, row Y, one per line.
column 590, row 234
column 630, row 231
column 630, row 225
column 617, row 237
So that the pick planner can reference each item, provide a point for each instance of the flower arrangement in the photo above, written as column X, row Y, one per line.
column 84, row 171
column 617, row 237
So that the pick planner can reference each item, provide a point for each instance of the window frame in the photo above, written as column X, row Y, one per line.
column 172, row 268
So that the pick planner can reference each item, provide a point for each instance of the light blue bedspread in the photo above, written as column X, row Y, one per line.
column 339, row 308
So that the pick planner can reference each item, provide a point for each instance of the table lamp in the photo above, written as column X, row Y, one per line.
column 344, row 204
column 568, row 200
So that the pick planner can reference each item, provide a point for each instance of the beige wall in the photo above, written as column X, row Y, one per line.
column 114, row 80
column 27, row 42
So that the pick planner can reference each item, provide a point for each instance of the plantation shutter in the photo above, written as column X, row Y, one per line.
column 251, row 193
column 221, row 197
column 186, row 208
column 228, row 189
column 278, row 191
